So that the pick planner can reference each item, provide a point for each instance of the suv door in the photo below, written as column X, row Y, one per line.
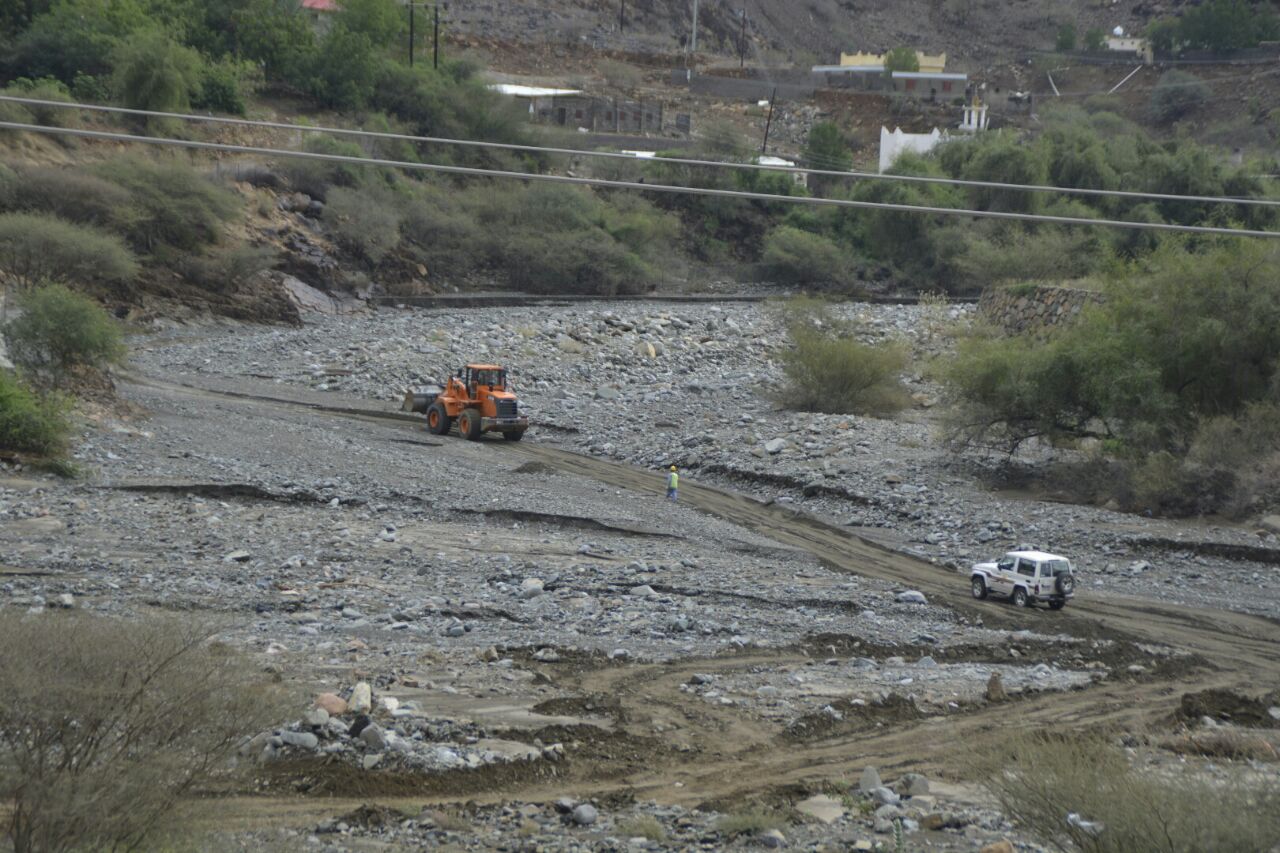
column 1002, row 578
column 1026, row 575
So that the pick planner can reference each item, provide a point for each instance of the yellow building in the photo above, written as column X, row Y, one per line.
column 928, row 64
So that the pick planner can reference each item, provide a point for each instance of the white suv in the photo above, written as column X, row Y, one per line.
column 1026, row 577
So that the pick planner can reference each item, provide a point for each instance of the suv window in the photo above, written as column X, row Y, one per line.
column 1005, row 564
column 1057, row 567
column 1026, row 567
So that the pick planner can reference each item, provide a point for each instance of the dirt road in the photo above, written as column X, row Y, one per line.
column 672, row 746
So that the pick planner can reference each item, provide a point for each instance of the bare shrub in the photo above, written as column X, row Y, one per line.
column 749, row 822
column 643, row 826
column 1042, row 782
column 224, row 270
column 105, row 724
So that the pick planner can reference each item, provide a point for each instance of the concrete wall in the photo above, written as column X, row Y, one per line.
column 1020, row 309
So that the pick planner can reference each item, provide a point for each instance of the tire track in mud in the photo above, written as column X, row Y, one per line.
column 729, row 754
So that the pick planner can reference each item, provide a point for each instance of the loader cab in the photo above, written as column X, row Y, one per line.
column 477, row 376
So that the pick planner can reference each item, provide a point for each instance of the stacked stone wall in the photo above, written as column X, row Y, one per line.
column 1021, row 309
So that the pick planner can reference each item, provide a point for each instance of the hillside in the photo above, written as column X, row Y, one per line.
column 975, row 32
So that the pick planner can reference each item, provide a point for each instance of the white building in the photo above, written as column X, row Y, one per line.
column 894, row 143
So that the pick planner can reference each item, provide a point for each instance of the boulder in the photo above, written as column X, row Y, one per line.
column 332, row 704
column 995, row 689
column 361, row 701
column 869, row 781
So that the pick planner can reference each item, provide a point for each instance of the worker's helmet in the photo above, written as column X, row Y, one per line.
column 673, row 467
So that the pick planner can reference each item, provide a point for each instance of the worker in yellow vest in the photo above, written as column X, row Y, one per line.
column 673, row 484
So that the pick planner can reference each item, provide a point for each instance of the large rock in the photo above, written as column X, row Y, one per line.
column 775, row 445
column 822, row 807
column 373, row 737
column 995, row 689
column 869, row 781
column 361, row 701
column 302, row 740
column 334, row 704
column 1271, row 523
column 912, row 596
column 1001, row 846
column 585, row 815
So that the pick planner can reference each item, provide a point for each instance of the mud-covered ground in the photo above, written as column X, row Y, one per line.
column 525, row 646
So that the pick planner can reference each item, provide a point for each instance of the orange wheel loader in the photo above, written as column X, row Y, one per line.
column 476, row 398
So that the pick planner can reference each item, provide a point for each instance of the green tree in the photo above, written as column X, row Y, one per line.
column 901, row 59
column 1095, row 39
column 1066, row 38
column 30, row 423
column 1226, row 25
column 153, row 72
column 60, row 329
column 384, row 22
column 1165, row 35
column 1177, row 93
column 826, row 149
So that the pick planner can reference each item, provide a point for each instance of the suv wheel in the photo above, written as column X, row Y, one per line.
column 1020, row 597
column 979, row 587
column 1057, row 604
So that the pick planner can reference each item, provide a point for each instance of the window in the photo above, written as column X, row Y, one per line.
column 578, row 114
column 946, row 85
column 911, row 85
column 1026, row 567
column 1005, row 564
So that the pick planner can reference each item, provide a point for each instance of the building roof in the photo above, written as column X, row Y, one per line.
column 848, row 69
column 321, row 5
column 928, row 75
column 770, row 160
column 520, row 91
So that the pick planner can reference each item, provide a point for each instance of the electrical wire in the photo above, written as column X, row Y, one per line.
column 681, row 161
column 633, row 185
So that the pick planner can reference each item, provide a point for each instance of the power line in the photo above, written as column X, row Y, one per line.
column 632, row 185
column 680, row 161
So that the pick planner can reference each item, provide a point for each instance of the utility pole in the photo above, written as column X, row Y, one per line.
column 768, row 122
column 742, row 41
column 411, row 6
column 622, row 16
column 693, row 38
column 435, row 40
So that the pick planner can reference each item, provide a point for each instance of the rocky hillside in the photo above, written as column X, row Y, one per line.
column 978, row 32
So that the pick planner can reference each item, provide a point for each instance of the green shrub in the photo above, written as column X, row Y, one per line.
column 44, row 89
column 1065, row 42
column 1040, row 780
column 221, row 87
column 70, row 194
column 1177, row 93
column 106, row 724
column 315, row 177
column 30, row 423
column 443, row 237
column 35, row 247
column 793, row 256
column 153, row 72
column 1095, row 39
column 60, row 329
column 362, row 221
column 901, row 59
column 174, row 204
column 827, row 369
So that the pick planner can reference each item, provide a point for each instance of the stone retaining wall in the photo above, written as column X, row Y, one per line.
column 1020, row 309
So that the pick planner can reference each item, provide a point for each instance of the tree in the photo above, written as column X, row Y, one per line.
column 1066, row 40
column 1165, row 36
column 59, row 330
column 1176, row 94
column 901, row 59
column 153, row 72
column 1226, row 25
column 825, row 149
column 1095, row 39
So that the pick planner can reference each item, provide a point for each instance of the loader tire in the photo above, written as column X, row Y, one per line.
column 438, row 420
column 513, row 435
column 469, row 424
